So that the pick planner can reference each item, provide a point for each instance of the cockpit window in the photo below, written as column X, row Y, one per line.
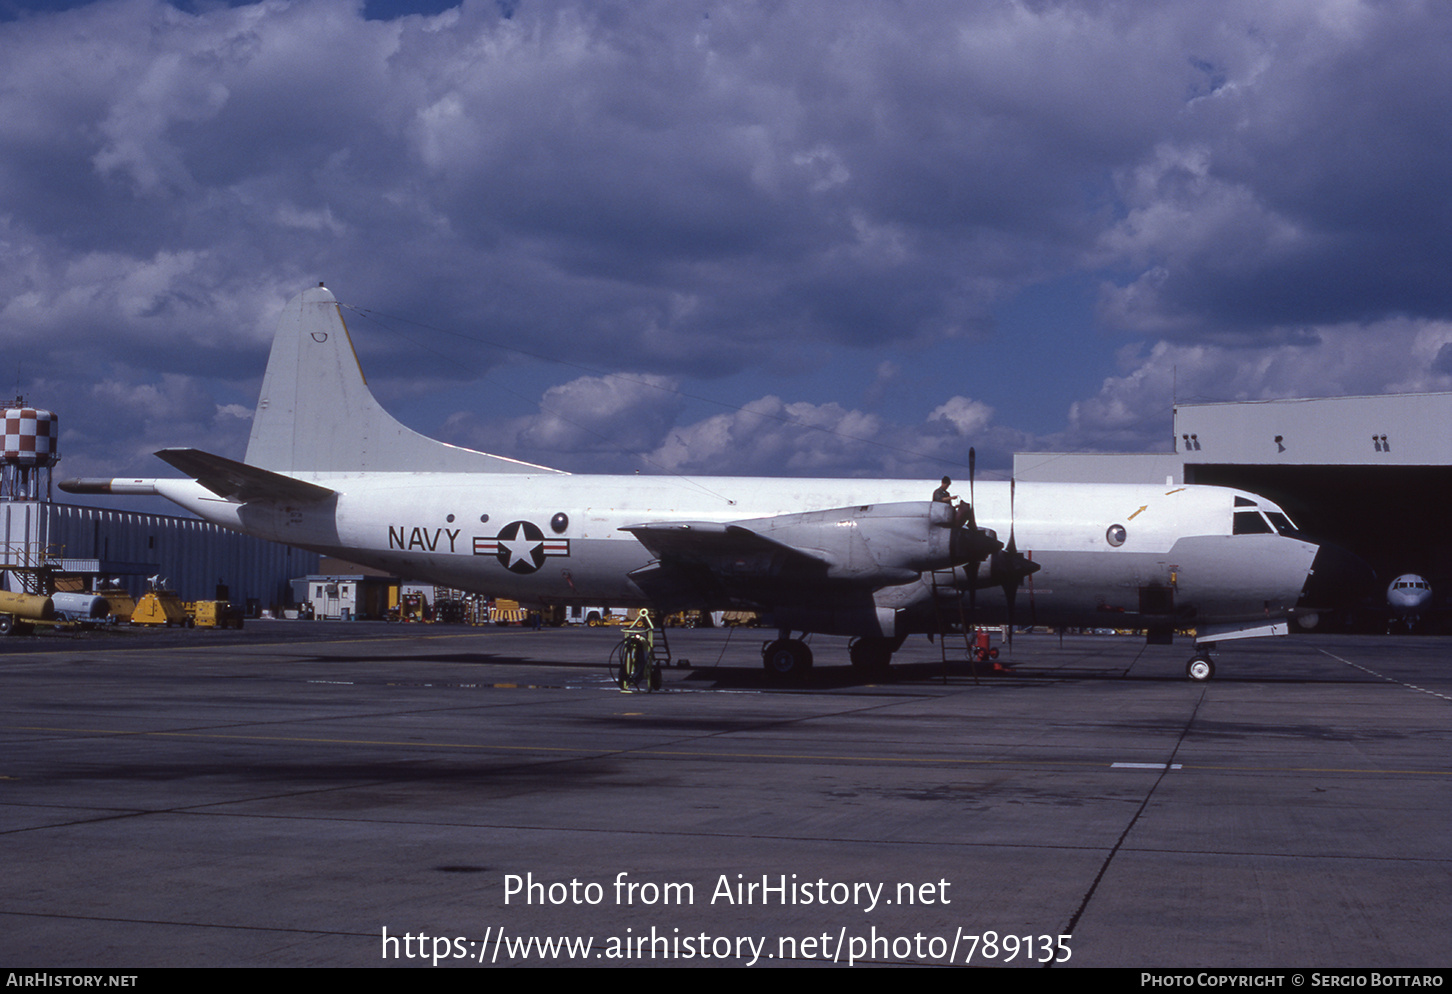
column 1260, row 518
column 1251, row 523
column 1280, row 522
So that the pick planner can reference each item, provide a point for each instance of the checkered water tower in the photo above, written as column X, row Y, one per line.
column 29, row 452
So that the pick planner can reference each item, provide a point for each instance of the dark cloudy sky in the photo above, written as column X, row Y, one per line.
column 847, row 238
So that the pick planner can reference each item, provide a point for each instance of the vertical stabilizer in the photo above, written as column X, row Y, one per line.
column 316, row 413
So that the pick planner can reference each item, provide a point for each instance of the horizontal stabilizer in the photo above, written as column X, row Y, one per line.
column 241, row 482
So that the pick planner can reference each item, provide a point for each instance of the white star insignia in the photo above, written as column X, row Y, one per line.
column 520, row 546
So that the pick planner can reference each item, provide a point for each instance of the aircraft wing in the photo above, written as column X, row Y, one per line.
column 707, row 562
column 801, row 557
column 710, row 542
column 241, row 482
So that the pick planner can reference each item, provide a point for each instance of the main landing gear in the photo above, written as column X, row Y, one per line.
column 870, row 655
column 786, row 658
column 1201, row 667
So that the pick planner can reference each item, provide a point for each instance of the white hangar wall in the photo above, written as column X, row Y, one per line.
column 1388, row 430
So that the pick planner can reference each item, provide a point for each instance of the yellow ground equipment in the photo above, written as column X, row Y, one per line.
column 633, row 663
column 122, row 603
column 506, row 612
column 215, row 614
column 411, row 607
column 18, row 611
column 159, row 607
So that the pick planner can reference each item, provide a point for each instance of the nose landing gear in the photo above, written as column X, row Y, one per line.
column 1201, row 667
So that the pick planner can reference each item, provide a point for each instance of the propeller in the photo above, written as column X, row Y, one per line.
column 1011, row 565
column 974, row 547
column 1011, row 582
column 971, row 624
column 972, row 512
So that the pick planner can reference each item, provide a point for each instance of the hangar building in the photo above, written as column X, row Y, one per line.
column 195, row 557
column 76, row 546
column 1372, row 474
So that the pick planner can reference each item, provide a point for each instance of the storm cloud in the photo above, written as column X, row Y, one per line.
column 827, row 220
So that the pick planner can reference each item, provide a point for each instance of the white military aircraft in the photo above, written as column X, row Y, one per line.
column 327, row 469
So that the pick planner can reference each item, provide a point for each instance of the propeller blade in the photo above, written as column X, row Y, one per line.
column 972, row 623
column 1012, row 566
column 1011, row 582
column 1033, row 608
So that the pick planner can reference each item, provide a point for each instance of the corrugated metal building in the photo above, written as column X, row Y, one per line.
column 193, row 555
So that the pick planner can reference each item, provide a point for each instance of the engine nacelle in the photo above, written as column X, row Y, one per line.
column 876, row 545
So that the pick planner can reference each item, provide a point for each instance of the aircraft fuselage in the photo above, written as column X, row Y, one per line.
column 557, row 539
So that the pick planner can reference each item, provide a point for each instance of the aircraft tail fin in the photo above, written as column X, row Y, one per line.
column 316, row 413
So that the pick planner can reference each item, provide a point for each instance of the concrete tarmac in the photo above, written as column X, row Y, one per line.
column 311, row 794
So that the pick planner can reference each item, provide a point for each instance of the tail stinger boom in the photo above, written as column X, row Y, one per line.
column 316, row 413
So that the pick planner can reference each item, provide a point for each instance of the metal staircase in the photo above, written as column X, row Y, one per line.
column 945, row 588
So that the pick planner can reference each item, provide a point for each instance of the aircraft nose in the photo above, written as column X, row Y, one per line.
column 1338, row 578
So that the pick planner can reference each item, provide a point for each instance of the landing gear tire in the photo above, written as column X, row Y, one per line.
column 787, row 659
column 7, row 624
column 870, row 655
column 1200, row 668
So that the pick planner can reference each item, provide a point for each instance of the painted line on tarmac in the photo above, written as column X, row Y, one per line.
column 1388, row 679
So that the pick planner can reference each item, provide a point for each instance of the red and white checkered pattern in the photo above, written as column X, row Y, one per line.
column 30, row 436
